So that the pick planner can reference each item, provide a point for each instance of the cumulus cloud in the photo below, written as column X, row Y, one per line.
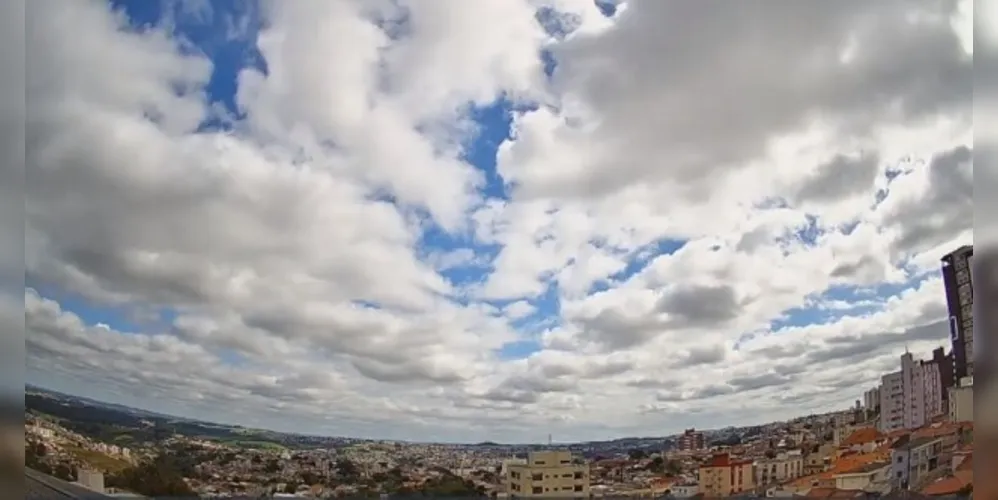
column 699, row 220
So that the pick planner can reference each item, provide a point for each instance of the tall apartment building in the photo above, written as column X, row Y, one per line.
column 957, row 276
column 691, row 440
column 724, row 476
column 871, row 399
column 912, row 397
column 553, row 474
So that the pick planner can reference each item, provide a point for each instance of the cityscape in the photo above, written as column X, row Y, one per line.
column 505, row 249
column 912, row 433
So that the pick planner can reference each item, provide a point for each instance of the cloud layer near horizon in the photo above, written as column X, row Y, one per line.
column 708, row 214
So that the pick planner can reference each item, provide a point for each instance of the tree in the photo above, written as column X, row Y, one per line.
column 346, row 468
column 673, row 467
column 158, row 477
column 638, row 454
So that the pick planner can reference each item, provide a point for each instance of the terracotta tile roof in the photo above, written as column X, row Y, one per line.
column 967, row 464
column 937, row 430
column 948, row 486
column 862, row 436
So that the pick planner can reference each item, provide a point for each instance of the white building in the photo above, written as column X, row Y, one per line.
column 892, row 402
column 684, row 490
column 961, row 401
column 912, row 397
column 783, row 467
column 871, row 399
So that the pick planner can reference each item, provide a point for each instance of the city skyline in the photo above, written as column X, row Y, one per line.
column 489, row 221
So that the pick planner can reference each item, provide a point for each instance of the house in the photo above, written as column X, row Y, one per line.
column 914, row 460
column 872, row 477
column 685, row 490
column 784, row 466
column 819, row 460
column 844, row 465
column 961, row 481
column 864, row 440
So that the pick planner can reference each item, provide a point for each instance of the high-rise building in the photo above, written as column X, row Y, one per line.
column 871, row 400
column 552, row 474
column 691, row 440
column 912, row 397
column 958, row 279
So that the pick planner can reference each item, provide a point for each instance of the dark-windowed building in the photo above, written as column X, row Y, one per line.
column 958, row 279
column 691, row 440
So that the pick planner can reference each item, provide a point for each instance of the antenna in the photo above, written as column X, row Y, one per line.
column 549, row 439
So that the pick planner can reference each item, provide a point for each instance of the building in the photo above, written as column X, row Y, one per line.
column 892, row 402
column 723, row 476
column 944, row 364
column 912, row 397
column 691, row 440
column 554, row 474
column 783, row 467
column 38, row 486
column 914, row 460
column 958, row 279
column 871, row 400
column 871, row 477
column 684, row 490
column 961, row 401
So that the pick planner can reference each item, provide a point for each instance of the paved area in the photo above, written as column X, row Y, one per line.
column 40, row 486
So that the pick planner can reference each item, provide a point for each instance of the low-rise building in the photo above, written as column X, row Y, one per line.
column 961, row 401
column 872, row 477
column 723, row 476
column 914, row 460
column 685, row 490
column 783, row 467
column 554, row 474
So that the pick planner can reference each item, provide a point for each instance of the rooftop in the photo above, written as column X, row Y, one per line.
column 863, row 436
column 916, row 442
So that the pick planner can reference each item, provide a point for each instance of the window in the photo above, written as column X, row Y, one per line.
column 539, row 462
column 537, row 490
column 578, row 475
column 537, row 477
column 566, row 475
column 578, row 487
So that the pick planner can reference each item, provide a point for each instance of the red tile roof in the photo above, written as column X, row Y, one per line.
column 950, row 485
column 863, row 436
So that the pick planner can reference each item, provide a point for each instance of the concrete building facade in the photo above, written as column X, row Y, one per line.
column 691, row 440
column 912, row 397
column 913, row 460
column 552, row 474
column 871, row 399
column 723, row 476
column 958, row 279
column 783, row 467
column 961, row 401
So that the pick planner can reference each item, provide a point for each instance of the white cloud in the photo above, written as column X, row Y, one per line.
column 295, row 241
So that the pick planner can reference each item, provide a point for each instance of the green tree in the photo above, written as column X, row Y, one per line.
column 638, row 454
column 158, row 477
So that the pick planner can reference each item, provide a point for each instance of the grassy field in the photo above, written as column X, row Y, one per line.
column 253, row 444
column 97, row 459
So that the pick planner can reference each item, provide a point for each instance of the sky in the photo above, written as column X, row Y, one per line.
column 491, row 220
